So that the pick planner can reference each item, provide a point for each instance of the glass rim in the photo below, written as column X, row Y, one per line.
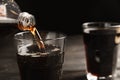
column 58, row 38
column 104, row 24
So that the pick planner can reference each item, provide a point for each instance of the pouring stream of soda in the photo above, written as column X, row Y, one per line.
column 26, row 21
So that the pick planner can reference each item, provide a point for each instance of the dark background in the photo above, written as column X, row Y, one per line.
column 68, row 16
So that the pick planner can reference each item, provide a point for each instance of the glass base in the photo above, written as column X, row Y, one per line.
column 93, row 77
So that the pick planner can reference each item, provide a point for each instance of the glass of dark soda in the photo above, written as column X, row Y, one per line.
column 36, row 64
column 101, row 40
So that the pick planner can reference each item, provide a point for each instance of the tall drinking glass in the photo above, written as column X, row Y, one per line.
column 101, row 40
column 37, row 65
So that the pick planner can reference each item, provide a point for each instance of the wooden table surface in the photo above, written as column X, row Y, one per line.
column 74, row 67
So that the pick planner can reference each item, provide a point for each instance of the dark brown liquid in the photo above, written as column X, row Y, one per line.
column 101, row 51
column 34, row 65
